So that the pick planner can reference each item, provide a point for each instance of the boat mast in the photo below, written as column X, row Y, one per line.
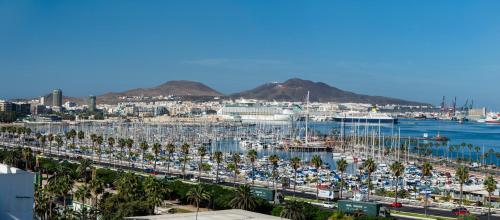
column 307, row 119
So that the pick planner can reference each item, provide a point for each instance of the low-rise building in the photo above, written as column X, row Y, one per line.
column 16, row 193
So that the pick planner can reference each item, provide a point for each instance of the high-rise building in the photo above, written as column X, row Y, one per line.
column 57, row 98
column 91, row 103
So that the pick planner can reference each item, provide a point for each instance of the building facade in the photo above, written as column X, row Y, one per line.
column 16, row 193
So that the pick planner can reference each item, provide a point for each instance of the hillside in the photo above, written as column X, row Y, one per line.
column 175, row 88
column 296, row 89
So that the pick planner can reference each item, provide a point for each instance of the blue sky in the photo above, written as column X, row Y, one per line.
column 417, row 50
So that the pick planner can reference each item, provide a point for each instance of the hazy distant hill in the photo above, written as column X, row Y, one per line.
column 296, row 90
column 176, row 88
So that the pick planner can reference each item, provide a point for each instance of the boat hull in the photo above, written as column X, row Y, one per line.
column 367, row 120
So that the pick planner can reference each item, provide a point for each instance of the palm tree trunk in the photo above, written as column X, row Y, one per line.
column 369, row 183
column 295, row 182
column 341, row 184
column 253, row 174
column 168, row 164
column 197, row 210
column 461, row 194
column 396, row 194
column 234, row 181
column 489, row 207
column 199, row 169
column 217, row 174
column 154, row 168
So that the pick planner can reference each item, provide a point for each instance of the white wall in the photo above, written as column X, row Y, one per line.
column 16, row 194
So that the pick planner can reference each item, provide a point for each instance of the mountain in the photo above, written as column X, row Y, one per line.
column 296, row 89
column 182, row 88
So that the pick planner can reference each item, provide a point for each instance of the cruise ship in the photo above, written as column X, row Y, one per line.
column 365, row 117
column 249, row 110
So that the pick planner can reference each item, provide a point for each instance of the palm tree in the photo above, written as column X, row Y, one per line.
column 185, row 152
column 236, row 161
column 426, row 172
column 477, row 149
column 144, row 147
column 111, row 142
column 59, row 143
column 154, row 192
column 81, row 136
column 218, row 160
column 171, row 151
column 341, row 167
column 490, row 185
column 99, row 140
column 43, row 139
column 156, row 150
column 81, row 194
column 197, row 195
column 27, row 154
column 130, row 143
column 370, row 166
column 397, row 169
column 121, row 144
column 243, row 198
column 252, row 156
column 83, row 169
column 96, row 187
column 202, row 151
column 295, row 163
column 293, row 210
column 274, row 159
column 462, row 174
column 317, row 162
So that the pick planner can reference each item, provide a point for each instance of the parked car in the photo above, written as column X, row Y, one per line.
column 396, row 205
column 460, row 211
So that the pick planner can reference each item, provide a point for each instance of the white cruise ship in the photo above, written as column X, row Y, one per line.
column 248, row 110
column 365, row 117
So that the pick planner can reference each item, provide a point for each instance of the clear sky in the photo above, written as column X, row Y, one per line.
column 417, row 50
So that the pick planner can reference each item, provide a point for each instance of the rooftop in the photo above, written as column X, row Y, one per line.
column 6, row 169
column 231, row 214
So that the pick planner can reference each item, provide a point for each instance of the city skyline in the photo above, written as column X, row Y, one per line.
column 405, row 50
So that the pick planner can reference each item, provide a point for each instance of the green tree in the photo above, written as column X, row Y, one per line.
column 317, row 163
column 154, row 192
column 156, row 151
column 59, row 143
column 274, row 159
column 185, row 158
column 370, row 166
column 295, row 163
column 397, row 169
column 243, row 199
column 197, row 195
column 27, row 154
column 341, row 167
column 144, row 147
column 111, row 143
column 170, row 151
column 426, row 172
column 252, row 156
column 218, row 160
column 202, row 151
column 99, row 140
column 462, row 174
column 490, row 185
column 293, row 210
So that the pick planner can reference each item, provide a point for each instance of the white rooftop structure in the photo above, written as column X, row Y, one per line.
column 230, row 214
column 16, row 193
